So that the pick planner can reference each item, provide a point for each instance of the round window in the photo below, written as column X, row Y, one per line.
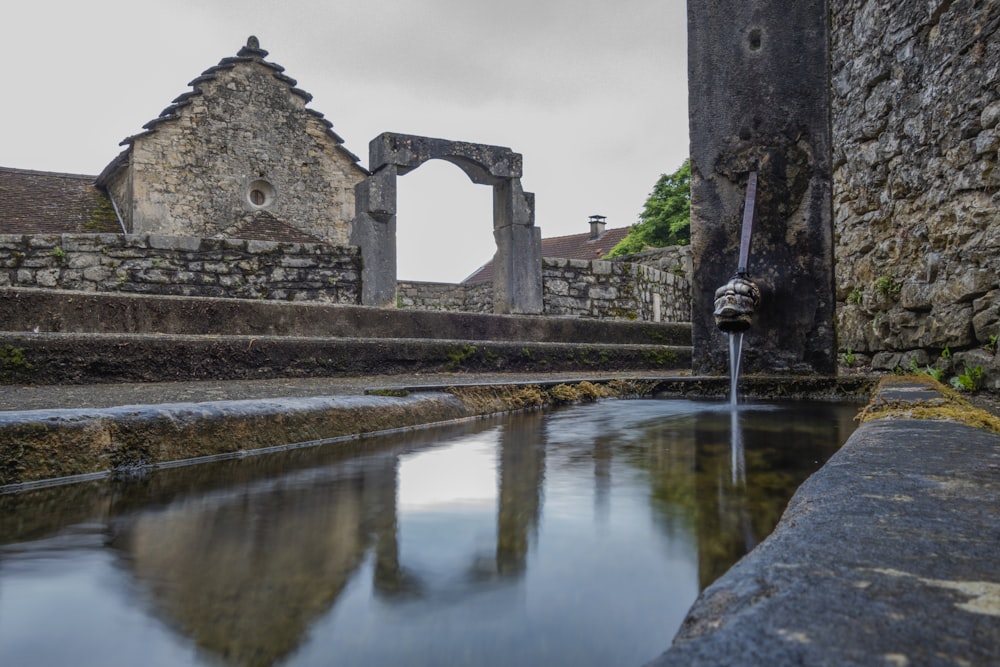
column 260, row 194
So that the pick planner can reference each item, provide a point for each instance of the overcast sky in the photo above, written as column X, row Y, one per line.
column 592, row 93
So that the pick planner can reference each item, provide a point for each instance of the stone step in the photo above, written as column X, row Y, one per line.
column 41, row 310
column 85, row 358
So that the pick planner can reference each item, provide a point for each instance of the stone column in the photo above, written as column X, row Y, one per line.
column 759, row 100
column 374, row 231
column 517, row 265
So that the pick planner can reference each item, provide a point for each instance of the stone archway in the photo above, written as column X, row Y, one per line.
column 517, row 286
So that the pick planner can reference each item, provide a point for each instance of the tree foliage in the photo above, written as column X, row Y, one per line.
column 666, row 217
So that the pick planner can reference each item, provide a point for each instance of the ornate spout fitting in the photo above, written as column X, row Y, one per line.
column 735, row 303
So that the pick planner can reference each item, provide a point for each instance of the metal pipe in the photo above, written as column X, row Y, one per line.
column 748, row 208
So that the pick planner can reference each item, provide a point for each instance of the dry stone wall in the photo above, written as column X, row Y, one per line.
column 650, row 286
column 916, row 105
column 467, row 298
column 165, row 265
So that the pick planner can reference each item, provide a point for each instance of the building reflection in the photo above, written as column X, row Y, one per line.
column 245, row 571
column 522, row 471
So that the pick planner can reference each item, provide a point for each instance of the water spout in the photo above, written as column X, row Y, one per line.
column 736, row 301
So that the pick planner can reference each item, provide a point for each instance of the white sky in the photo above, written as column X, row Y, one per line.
column 592, row 93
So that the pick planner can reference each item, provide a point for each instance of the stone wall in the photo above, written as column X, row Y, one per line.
column 675, row 261
column 165, row 265
column 650, row 286
column 468, row 298
column 915, row 110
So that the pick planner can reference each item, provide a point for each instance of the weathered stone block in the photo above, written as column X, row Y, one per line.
column 963, row 288
column 915, row 296
column 44, row 241
column 96, row 274
column 557, row 287
column 47, row 278
column 951, row 326
column 750, row 111
column 602, row 268
column 186, row 243
column 602, row 293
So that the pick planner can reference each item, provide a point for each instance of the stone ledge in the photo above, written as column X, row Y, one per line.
column 66, row 358
column 887, row 555
column 52, row 444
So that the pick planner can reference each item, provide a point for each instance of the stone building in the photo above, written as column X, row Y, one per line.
column 237, row 156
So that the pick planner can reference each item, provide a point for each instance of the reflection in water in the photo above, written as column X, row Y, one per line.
column 580, row 536
column 738, row 460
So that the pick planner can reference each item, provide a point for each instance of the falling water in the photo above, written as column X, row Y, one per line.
column 735, row 350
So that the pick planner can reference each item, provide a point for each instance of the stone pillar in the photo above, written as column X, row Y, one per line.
column 759, row 100
column 374, row 231
column 517, row 265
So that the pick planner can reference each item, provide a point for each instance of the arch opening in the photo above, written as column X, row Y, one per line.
column 444, row 224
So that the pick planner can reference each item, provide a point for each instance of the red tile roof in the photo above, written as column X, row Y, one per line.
column 41, row 202
column 574, row 246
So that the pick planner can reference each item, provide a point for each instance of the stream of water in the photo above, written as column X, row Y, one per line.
column 735, row 352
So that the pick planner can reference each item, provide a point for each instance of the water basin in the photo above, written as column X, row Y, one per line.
column 578, row 536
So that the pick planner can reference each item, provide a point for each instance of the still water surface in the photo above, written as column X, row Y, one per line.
column 575, row 537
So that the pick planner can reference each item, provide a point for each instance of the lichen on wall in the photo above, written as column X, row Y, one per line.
column 915, row 110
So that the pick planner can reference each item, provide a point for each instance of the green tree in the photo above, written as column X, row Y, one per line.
column 666, row 217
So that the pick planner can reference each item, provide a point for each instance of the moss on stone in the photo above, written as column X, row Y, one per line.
column 486, row 399
column 397, row 393
column 14, row 365
column 660, row 357
column 948, row 406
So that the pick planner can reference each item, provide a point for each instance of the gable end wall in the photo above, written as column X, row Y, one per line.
column 191, row 175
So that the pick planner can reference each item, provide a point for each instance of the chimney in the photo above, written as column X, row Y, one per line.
column 597, row 226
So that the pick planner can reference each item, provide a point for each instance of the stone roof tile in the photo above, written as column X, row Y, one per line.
column 248, row 54
column 41, row 202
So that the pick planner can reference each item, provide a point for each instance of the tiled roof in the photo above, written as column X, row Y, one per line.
column 41, row 202
column 574, row 246
column 251, row 53
column 266, row 227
